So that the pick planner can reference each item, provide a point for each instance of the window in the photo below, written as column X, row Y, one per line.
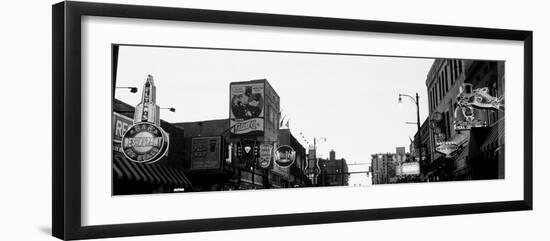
column 440, row 88
column 456, row 68
column 437, row 93
column 430, row 105
column 445, row 77
column 452, row 72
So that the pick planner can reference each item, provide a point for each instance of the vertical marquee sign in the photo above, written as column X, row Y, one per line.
column 145, row 141
column 266, row 154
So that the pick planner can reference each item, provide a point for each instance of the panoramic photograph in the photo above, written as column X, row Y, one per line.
column 191, row 119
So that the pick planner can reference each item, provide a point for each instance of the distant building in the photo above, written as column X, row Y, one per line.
column 395, row 167
column 382, row 168
column 334, row 172
column 400, row 150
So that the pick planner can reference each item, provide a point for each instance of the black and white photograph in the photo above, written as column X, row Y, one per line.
column 193, row 119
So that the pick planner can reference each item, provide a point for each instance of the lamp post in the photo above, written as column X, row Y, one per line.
column 171, row 109
column 132, row 89
column 415, row 100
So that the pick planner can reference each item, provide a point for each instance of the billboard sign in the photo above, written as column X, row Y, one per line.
column 206, row 153
column 247, row 102
column 410, row 168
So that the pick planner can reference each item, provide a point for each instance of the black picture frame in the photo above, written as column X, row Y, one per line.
column 67, row 137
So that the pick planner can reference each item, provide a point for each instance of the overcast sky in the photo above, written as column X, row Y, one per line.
column 350, row 100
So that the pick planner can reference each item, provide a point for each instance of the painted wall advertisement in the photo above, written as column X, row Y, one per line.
column 206, row 153
column 246, row 112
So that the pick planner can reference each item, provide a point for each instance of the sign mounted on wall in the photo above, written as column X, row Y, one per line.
column 246, row 112
column 479, row 98
column 144, row 142
column 447, row 148
column 285, row 156
column 206, row 153
column 266, row 154
column 119, row 125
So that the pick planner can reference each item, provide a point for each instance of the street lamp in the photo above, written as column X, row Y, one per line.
column 132, row 89
column 415, row 100
column 172, row 109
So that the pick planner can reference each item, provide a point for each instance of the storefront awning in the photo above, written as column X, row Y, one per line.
column 153, row 173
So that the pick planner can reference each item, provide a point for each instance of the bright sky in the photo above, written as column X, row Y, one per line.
column 350, row 100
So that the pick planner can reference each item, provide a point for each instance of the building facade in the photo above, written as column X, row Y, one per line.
column 456, row 132
column 238, row 152
column 167, row 175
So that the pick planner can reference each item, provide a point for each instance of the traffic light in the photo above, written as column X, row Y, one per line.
column 256, row 150
column 239, row 150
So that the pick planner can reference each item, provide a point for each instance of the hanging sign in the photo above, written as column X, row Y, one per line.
column 285, row 156
column 447, row 147
column 479, row 98
column 144, row 142
column 266, row 153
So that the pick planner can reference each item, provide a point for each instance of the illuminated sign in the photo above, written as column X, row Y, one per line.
column 285, row 156
column 466, row 118
column 447, row 147
column 144, row 143
column 471, row 105
column 479, row 98
column 247, row 104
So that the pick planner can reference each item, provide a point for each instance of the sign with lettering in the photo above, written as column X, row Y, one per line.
column 410, row 168
column 285, row 156
column 120, row 124
column 246, row 112
column 144, row 142
column 206, row 153
column 266, row 154
column 446, row 148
